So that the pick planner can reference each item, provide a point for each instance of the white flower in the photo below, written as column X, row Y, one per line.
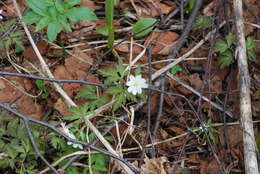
column 136, row 83
column 71, row 135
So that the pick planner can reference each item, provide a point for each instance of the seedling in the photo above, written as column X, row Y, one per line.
column 40, row 84
column 55, row 14
column 226, row 52
column 174, row 70
column 202, row 22
column 141, row 28
column 205, row 129
column 9, row 36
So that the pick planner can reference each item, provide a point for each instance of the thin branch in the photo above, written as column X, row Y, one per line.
column 250, row 150
column 4, row 73
column 175, row 49
column 26, row 123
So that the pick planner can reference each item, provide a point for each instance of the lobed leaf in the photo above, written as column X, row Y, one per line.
column 221, row 46
column 230, row 39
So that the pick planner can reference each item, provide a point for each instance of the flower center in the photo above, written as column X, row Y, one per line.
column 135, row 84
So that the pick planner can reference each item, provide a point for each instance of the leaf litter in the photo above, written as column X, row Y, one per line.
column 190, row 153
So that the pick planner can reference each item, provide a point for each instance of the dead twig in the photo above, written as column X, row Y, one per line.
column 250, row 157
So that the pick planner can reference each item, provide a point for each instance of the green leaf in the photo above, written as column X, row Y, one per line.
column 55, row 141
column 103, row 31
column 116, row 3
column 114, row 90
column 174, row 70
column 191, row 5
column 76, row 14
column 230, row 39
column 99, row 160
column 130, row 96
column 53, row 29
column 77, row 112
column 111, row 75
column 40, row 84
column 119, row 101
column 11, row 152
column 59, row 6
column 203, row 22
column 212, row 137
column 221, row 46
column 42, row 23
column 143, row 27
column 88, row 92
column 250, row 44
column 63, row 20
column 225, row 59
column 53, row 13
column 38, row 7
column 121, row 68
column 48, row 3
column 251, row 54
column 108, row 72
column 71, row 3
column 31, row 17
column 138, row 71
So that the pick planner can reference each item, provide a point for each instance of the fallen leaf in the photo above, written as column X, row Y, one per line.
column 154, row 166
column 62, row 107
column 29, row 53
column 161, row 41
column 25, row 104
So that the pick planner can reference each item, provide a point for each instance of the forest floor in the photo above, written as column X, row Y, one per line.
column 186, row 121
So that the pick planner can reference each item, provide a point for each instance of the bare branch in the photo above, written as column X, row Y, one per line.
column 250, row 157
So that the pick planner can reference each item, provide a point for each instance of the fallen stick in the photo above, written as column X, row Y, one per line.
column 250, row 157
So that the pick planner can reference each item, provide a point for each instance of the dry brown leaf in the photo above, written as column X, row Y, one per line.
column 62, row 107
column 195, row 81
column 161, row 41
column 209, row 166
column 25, row 104
column 29, row 53
column 164, row 8
column 154, row 166
column 88, row 4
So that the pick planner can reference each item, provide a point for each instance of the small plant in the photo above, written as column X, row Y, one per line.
column 56, row 15
column 202, row 22
column 140, row 28
column 120, row 92
column 250, row 48
column 206, row 129
column 191, row 5
column 10, row 36
column 97, row 162
column 174, row 70
column 227, row 53
column 40, row 84
column 19, row 155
